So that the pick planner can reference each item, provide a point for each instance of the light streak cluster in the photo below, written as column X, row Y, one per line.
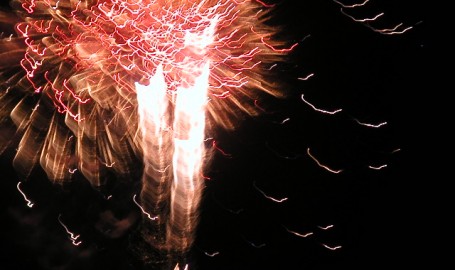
column 396, row 30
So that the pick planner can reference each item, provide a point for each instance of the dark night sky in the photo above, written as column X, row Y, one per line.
column 372, row 77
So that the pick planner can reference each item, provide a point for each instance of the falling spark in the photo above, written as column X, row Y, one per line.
column 378, row 167
column 371, row 125
column 214, row 145
column 71, row 234
column 299, row 234
column 306, row 78
column 272, row 66
column 391, row 31
column 319, row 110
column 322, row 165
column 72, row 170
column 213, row 254
column 142, row 209
column 268, row 197
column 29, row 203
column 285, row 120
column 396, row 150
column 331, row 248
column 325, row 227
column 255, row 245
column 363, row 20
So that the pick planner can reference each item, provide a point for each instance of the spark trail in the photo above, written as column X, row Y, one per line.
column 29, row 203
column 322, row 165
column 73, row 237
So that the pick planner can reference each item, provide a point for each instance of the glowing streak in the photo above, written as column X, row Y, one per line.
column 142, row 209
column 189, row 154
column 395, row 151
column 285, row 120
column 213, row 254
column 378, row 167
column 331, row 248
column 306, row 78
column 320, row 110
column 29, row 203
column 71, row 234
column 264, row 4
column 325, row 227
column 268, row 197
column 72, row 170
column 363, row 20
column 353, row 5
column 299, row 234
column 391, row 31
column 109, row 165
column 272, row 66
column 322, row 165
column 279, row 50
column 255, row 245
column 214, row 145
column 371, row 125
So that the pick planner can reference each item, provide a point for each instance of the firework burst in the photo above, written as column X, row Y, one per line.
column 95, row 86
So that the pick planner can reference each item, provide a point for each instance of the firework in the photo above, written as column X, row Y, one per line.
column 94, row 86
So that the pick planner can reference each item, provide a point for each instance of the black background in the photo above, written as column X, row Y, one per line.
column 378, row 217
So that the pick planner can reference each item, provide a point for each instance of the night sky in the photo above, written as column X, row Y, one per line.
column 374, row 78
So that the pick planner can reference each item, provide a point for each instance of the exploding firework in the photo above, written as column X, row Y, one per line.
column 95, row 86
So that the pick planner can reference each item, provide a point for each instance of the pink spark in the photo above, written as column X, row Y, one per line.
column 142, row 209
column 220, row 150
column 299, row 234
column 279, row 50
column 378, row 167
column 268, row 197
column 72, row 236
column 326, row 227
column 306, row 78
column 320, row 110
column 322, row 165
column 371, row 125
column 72, row 170
column 265, row 4
column 331, row 248
column 29, row 203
